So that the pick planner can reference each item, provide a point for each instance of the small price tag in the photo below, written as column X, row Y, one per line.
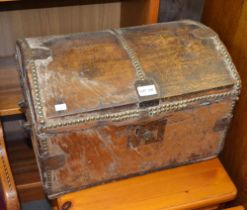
column 147, row 90
column 60, row 107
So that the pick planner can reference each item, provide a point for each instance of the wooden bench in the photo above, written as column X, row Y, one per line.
column 195, row 186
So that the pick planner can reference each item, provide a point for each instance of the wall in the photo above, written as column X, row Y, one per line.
column 180, row 9
column 56, row 20
column 229, row 19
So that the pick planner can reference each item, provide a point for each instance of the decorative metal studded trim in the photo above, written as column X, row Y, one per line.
column 44, row 152
column 232, row 70
column 230, row 66
column 43, row 146
column 38, row 106
column 120, row 116
column 49, row 181
column 134, row 60
column 184, row 103
column 37, row 98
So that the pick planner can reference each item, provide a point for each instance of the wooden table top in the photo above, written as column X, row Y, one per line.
column 236, row 208
column 187, row 187
column 10, row 91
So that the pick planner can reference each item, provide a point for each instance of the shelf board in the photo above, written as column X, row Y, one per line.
column 188, row 187
column 31, row 4
column 10, row 91
column 25, row 171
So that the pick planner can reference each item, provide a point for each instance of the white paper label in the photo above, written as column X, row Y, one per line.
column 147, row 90
column 60, row 107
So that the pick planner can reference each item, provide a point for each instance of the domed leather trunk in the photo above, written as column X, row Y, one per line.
column 108, row 105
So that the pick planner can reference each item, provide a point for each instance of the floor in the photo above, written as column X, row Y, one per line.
column 36, row 205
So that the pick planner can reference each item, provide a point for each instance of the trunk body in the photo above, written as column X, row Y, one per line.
column 117, row 103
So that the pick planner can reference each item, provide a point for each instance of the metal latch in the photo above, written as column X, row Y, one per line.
column 148, row 93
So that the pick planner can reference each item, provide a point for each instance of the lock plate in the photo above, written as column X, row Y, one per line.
column 148, row 133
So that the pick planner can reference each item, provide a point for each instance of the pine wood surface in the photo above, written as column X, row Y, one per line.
column 16, row 24
column 136, row 13
column 10, row 92
column 31, row 4
column 188, row 187
column 236, row 208
column 228, row 18
column 53, row 21
column 6, row 179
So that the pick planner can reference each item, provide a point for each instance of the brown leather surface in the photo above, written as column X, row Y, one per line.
column 104, row 153
column 179, row 59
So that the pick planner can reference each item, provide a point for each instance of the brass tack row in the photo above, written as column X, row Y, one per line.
column 168, row 107
column 135, row 62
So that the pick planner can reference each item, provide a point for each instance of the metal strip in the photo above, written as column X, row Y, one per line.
column 131, row 53
column 36, row 96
